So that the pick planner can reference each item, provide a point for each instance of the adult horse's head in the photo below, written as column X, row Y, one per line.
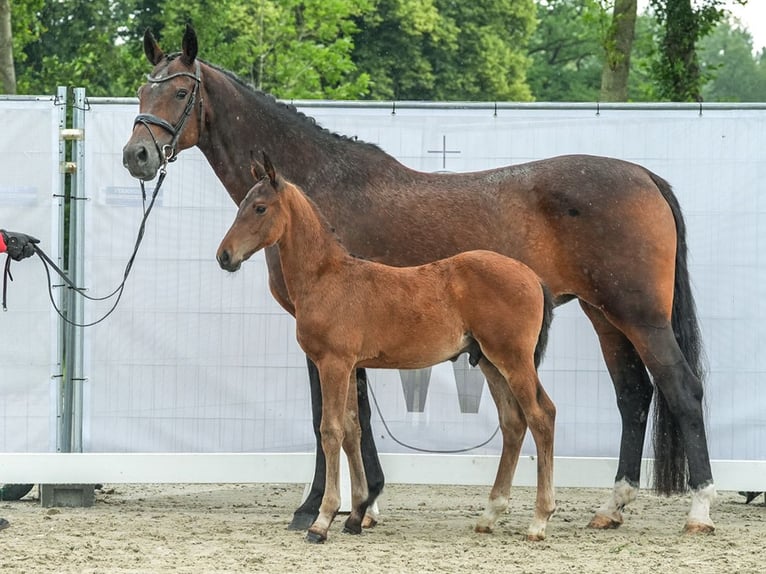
column 166, row 123
column 260, row 220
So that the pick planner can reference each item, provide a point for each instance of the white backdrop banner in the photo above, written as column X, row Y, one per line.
column 28, row 183
column 198, row 360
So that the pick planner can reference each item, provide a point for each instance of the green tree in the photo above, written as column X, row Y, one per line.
column 290, row 48
column 69, row 42
column 446, row 50
column 566, row 51
column 735, row 74
column 677, row 71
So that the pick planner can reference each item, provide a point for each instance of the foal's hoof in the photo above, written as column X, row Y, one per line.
column 535, row 537
column 603, row 522
column 301, row 521
column 694, row 527
column 315, row 537
column 369, row 521
column 482, row 529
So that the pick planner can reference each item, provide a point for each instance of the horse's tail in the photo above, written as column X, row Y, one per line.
column 670, row 468
column 542, row 338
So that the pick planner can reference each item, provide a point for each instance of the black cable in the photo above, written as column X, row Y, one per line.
column 426, row 450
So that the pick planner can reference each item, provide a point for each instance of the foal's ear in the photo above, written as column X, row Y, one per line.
column 152, row 49
column 270, row 171
column 189, row 45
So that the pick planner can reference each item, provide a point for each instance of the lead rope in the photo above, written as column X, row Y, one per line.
column 6, row 275
column 48, row 263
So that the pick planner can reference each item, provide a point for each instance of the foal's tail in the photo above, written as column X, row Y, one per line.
column 670, row 468
column 542, row 339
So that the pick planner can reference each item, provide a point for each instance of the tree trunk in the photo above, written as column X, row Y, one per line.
column 7, row 71
column 680, row 70
column 618, row 44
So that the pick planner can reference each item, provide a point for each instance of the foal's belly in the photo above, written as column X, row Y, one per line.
column 415, row 352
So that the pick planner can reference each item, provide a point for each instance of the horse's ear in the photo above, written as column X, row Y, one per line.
column 152, row 49
column 189, row 45
column 256, row 168
column 270, row 171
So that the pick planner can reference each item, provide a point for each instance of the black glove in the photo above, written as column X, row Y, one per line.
column 19, row 245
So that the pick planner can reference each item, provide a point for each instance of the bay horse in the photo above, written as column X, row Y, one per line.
column 353, row 313
column 606, row 232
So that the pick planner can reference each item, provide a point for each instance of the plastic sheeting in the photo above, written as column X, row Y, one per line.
column 197, row 360
column 28, row 341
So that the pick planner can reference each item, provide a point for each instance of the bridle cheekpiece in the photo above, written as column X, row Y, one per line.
column 168, row 151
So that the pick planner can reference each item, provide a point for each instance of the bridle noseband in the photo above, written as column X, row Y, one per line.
column 168, row 151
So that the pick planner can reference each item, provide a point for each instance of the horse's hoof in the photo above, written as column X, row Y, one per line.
column 352, row 526
column 301, row 521
column 698, row 528
column 315, row 538
column 603, row 522
column 535, row 537
column 750, row 495
column 482, row 529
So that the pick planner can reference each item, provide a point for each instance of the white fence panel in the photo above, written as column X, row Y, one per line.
column 28, row 342
column 195, row 360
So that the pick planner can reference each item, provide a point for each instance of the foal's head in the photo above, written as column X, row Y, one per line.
column 259, row 221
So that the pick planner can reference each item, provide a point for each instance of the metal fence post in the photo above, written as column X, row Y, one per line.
column 69, row 437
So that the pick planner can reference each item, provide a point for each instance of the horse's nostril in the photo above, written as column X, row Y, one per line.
column 142, row 155
column 224, row 258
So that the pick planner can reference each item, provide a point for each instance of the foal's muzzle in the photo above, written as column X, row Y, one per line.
column 226, row 262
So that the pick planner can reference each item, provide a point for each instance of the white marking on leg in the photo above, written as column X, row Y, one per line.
column 700, row 510
column 623, row 494
column 495, row 507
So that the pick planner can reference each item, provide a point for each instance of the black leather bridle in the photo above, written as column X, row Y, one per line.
column 168, row 151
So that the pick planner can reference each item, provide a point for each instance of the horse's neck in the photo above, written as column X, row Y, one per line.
column 245, row 122
column 308, row 247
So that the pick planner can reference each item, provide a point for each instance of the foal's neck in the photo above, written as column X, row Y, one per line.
column 308, row 247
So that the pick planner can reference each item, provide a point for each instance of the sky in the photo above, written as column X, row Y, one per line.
column 752, row 16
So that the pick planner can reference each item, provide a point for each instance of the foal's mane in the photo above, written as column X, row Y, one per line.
column 291, row 113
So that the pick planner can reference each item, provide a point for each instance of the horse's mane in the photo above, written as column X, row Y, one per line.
column 292, row 114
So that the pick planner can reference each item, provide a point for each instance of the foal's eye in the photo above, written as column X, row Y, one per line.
column 260, row 209
column 182, row 93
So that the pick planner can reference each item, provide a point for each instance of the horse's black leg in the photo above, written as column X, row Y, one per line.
column 634, row 390
column 307, row 512
column 372, row 468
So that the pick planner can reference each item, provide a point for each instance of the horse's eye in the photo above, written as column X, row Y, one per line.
column 260, row 209
column 182, row 93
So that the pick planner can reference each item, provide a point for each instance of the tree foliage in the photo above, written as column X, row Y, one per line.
column 446, row 50
column 677, row 71
column 549, row 50
column 734, row 73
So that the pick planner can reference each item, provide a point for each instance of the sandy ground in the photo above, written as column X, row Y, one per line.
column 241, row 528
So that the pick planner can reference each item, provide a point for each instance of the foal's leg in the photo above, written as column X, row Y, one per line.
column 305, row 515
column 513, row 426
column 634, row 396
column 352, row 446
column 540, row 413
column 335, row 382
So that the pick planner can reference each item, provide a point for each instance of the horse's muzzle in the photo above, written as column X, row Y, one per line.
column 141, row 161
